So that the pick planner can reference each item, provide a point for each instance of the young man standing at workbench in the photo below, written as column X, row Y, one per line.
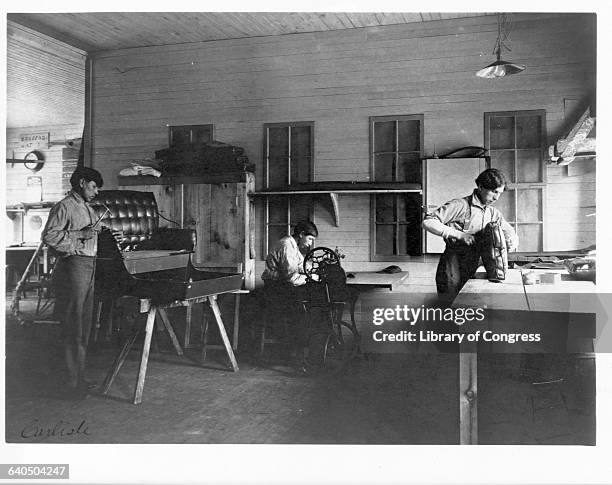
column 72, row 233
column 460, row 222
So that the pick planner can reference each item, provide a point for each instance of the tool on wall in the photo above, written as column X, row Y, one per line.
column 33, row 160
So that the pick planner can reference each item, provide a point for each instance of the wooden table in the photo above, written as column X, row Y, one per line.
column 567, row 297
column 368, row 280
column 371, row 279
column 154, row 260
column 152, row 309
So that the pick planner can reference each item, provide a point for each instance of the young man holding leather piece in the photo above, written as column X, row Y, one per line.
column 72, row 233
column 461, row 222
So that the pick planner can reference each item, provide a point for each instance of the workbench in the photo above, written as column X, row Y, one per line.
column 177, row 287
column 570, row 301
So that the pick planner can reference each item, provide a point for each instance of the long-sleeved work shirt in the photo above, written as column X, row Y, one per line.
column 66, row 219
column 285, row 263
column 467, row 215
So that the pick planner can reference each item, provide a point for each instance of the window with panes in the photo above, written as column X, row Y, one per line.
column 288, row 160
column 189, row 136
column 516, row 142
column 396, row 149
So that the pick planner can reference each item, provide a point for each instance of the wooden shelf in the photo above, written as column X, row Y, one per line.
column 212, row 178
column 333, row 189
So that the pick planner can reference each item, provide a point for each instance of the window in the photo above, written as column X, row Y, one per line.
column 189, row 136
column 288, row 160
column 396, row 146
column 516, row 142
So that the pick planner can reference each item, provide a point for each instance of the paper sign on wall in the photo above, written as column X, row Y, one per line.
column 33, row 189
column 31, row 141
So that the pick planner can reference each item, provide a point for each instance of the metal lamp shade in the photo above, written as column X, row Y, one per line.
column 500, row 69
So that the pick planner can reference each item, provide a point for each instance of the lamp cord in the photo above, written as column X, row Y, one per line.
column 166, row 219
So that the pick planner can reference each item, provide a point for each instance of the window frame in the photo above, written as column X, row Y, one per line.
column 515, row 186
column 397, row 224
column 266, row 179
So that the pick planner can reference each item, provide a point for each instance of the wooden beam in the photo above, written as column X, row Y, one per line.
column 576, row 141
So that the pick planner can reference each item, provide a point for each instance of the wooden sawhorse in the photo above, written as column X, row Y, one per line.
column 189, row 319
column 152, row 309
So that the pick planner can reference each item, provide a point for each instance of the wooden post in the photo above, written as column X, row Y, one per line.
column 468, row 403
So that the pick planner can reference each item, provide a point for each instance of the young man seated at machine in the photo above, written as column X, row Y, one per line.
column 285, row 263
column 285, row 281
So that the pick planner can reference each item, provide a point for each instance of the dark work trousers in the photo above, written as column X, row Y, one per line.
column 73, row 282
column 457, row 265
column 289, row 303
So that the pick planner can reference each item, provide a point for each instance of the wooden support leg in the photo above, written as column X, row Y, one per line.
column 145, row 355
column 108, row 332
column 188, row 318
column 236, row 320
column 204, row 334
column 262, row 338
column 212, row 301
column 168, row 325
column 118, row 363
column 468, row 404
column 98, row 318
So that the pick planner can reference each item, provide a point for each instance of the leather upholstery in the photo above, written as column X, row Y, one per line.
column 135, row 214
column 494, row 252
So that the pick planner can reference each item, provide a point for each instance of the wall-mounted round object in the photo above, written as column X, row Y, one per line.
column 34, row 161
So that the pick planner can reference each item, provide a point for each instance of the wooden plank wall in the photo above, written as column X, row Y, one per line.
column 45, row 93
column 338, row 80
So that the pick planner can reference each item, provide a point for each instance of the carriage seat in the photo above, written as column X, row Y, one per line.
column 136, row 215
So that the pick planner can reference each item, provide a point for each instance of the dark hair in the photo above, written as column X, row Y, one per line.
column 307, row 228
column 87, row 174
column 491, row 179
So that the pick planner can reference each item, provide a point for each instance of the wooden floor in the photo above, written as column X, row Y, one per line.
column 385, row 399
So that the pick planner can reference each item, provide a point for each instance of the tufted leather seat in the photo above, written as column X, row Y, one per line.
column 135, row 214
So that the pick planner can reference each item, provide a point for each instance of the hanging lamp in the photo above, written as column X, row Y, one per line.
column 500, row 68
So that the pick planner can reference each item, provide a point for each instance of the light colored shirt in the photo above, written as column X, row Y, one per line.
column 66, row 219
column 285, row 263
column 467, row 215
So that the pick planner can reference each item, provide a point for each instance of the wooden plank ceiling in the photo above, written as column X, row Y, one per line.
column 94, row 31
column 46, row 52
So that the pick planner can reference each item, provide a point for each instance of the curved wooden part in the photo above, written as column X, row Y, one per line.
column 334, row 201
column 21, row 283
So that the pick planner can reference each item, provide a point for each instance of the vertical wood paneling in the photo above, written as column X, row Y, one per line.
column 339, row 79
column 197, row 215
